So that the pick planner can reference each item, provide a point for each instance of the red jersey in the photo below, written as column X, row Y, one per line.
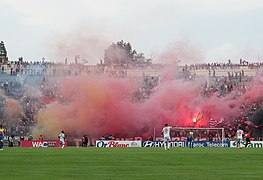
column 248, row 135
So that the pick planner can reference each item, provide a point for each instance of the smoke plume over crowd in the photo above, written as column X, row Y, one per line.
column 100, row 105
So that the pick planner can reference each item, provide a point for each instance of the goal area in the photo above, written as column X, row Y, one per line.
column 200, row 134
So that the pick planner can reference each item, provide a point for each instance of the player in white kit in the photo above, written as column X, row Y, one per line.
column 239, row 137
column 166, row 136
column 62, row 138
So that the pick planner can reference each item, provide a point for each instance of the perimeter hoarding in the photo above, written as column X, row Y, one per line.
column 161, row 144
column 254, row 144
column 186, row 144
column 125, row 144
column 39, row 144
column 112, row 144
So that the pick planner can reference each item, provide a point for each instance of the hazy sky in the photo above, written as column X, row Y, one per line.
column 208, row 30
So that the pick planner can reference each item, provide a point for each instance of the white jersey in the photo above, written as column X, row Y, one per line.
column 61, row 137
column 166, row 131
column 240, row 133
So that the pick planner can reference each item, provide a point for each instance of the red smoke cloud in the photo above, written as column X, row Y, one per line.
column 101, row 105
column 13, row 109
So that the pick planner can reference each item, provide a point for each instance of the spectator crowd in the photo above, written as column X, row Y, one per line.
column 15, row 85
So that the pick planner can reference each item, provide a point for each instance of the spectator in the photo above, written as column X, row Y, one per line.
column 150, row 138
column 1, row 137
column 40, row 137
column 30, row 138
column 84, row 141
column 11, row 141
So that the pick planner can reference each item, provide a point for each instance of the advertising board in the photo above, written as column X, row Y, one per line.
column 186, row 144
column 254, row 144
column 161, row 144
column 112, row 144
column 39, row 144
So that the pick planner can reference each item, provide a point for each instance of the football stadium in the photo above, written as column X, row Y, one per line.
column 93, row 107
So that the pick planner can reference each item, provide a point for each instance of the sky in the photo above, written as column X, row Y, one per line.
column 205, row 30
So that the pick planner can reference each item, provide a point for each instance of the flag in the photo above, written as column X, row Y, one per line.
column 198, row 117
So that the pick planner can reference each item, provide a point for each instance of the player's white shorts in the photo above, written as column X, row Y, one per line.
column 165, row 139
column 239, row 140
column 62, row 142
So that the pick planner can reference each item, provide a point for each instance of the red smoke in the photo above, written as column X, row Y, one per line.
column 100, row 105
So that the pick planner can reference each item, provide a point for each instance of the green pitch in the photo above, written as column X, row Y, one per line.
column 131, row 163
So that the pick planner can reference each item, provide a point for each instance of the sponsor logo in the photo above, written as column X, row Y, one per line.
column 117, row 144
column 198, row 144
column 114, row 144
column 51, row 144
column 152, row 144
column 256, row 145
column 101, row 144
column 185, row 144
column 210, row 144
column 161, row 144
column 134, row 144
column 147, row 144
column 43, row 144
column 253, row 144
column 217, row 144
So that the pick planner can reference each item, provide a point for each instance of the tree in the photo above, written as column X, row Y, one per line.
column 139, row 58
column 3, row 52
column 122, row 53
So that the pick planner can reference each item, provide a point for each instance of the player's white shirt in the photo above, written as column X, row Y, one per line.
column 61, row 137
column 166, row 131
column 240, row 133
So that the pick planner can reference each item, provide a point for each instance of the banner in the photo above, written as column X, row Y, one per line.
column 254, row 144
column 112, row 144
column 185, row 144
column 161, row 144
column 210, row 144
column 38, row 143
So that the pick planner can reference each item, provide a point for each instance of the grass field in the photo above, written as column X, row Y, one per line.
column 131, row 163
